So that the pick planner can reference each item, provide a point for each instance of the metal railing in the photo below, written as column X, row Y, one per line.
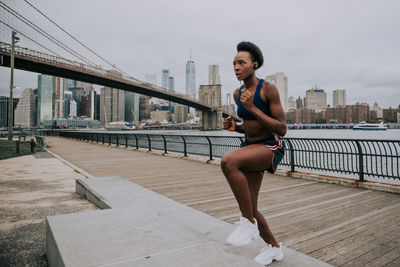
column 363, row 158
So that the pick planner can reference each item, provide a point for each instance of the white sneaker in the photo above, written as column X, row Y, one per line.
column 269, row 254
column 244, row 233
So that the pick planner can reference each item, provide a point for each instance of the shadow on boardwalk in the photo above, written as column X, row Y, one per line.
column 340, row 225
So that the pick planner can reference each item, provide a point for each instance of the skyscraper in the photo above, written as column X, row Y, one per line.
column 291, row 103
column 25, row 113
column 171, row 84
column 131, row 106
column 339, row 98
column 213, row 75
column 315, row 99
column 191, row 78
column 45, row 98
column 4, row 109
column 280, row 81
column 164, row 79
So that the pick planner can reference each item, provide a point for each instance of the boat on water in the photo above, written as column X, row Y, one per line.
column 120, row 126
column 370, row 126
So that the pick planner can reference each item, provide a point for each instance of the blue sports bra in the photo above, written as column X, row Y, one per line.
column 258, row 102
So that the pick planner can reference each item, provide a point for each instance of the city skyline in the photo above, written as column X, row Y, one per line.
column 335, row 44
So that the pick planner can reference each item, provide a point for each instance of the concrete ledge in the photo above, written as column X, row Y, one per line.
column 143, row 228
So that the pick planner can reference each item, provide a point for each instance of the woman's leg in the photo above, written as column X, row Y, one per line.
column 247, row 159
column 254, row 180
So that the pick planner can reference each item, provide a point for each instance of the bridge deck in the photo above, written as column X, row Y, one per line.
column 339, row 225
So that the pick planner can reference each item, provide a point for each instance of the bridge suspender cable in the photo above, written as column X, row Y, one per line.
column 45, row 34
column 30, row 39
column 75, row 38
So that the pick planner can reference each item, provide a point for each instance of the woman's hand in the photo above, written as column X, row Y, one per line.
column 229, row 124
column 246, row 97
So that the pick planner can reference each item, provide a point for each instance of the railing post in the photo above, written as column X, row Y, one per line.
column 148, row 138
column 109, row 139
column 17, row 146
column 210, row 146
column 126, row 140
column 137, row 142
column 360, row 162
column 117, row 139
column 184, row 146
column 103, row 139
column 291, row 158
column 165, row 144
column 32, row 146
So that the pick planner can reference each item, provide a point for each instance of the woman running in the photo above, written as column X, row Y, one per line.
column 263, row 121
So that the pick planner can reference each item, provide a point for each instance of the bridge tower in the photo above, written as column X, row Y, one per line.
column 211, row 95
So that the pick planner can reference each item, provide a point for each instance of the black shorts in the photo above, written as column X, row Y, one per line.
column 276, row 145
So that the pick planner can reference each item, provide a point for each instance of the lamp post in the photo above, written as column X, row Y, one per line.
column 14, row 40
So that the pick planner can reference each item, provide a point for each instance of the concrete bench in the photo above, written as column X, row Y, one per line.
column 139, row 227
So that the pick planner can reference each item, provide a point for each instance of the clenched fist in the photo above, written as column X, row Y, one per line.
column 246, row 97
column 229, row 123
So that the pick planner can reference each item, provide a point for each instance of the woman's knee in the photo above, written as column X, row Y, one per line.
column 228, row 163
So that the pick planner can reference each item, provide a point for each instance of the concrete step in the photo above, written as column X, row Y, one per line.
column 139, row 227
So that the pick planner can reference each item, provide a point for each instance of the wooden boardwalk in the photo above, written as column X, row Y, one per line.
column 340, row 225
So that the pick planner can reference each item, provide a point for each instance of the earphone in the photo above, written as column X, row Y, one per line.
column 255, row 66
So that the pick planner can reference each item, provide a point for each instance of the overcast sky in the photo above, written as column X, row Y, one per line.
column 337, row 44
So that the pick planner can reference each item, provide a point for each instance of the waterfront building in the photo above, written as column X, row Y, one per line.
column 77, row 93
column 73, row 110
column 4, row 109
column 131, row 106
column 213, row 75
column 360, row 112
column 86, row 105
column 335, row 114
column 292, row 103
column 299, row 102
column 378, row 111
column 112, row 105
column 390, row 114
column 45, row 98
column 164, row 78
column 160, row 115
column 67, row 103
column 144, row 108
column 280, row 81
column 315, row 99
column 339, row 98
column 58, row 98
column 181, row 113
column 97, row 108
column 191, row 78
column 25, row 112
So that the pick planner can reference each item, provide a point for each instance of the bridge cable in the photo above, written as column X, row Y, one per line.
column 30, row 38
column 74, row 38
column 45, row 34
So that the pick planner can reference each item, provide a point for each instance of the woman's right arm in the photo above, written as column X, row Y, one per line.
column 239, row 127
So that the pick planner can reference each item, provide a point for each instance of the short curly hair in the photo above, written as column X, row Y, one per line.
column 254, row 51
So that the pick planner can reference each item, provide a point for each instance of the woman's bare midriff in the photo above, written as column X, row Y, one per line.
column 255, row 132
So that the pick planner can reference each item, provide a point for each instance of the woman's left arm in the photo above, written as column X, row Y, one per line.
column 276, row 122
